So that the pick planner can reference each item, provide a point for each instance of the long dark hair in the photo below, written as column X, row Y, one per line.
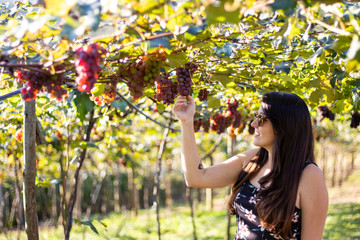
column 293, row 146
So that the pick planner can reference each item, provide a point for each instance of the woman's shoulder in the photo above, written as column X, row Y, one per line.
column 312, row 183
column 311, row 172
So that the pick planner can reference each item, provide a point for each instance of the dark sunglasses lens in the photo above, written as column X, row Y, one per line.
column 260, row 120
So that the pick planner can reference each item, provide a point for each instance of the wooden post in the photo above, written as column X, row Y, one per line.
column 324, row 161
column 190, row 201
column 31, row 219
column 209, row 193
column 116, row 173
column 333, row 179
column 168, row 199
column 156, row 190
column 2, row 204
column 230, row 152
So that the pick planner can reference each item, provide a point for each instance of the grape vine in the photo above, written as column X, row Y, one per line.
column 355, row 120
column 144, row 72
column 166, row 90
column 36, row 82
column 326, row 113
column 87, row 66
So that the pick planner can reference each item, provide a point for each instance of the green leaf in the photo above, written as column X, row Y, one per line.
column 160, row 107
column 223, row 79
column 313, row 57
column 177, row 60
column 218, row 14
column 336, row 76
column 213, row 102
column 353, row 55
column 287, row 5
column 341, row 106
column 98, row 89
column 121, row 105
column 355, row 83
column 83, row 104
column 145, row 5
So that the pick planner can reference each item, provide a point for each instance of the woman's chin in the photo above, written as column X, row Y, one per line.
column 256, row 143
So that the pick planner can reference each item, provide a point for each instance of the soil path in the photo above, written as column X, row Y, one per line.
column 349, row 191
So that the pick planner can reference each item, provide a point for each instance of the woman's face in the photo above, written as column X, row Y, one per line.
column 264, row 135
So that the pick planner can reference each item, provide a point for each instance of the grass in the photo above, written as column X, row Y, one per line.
column 343, row 222
column 175, row 224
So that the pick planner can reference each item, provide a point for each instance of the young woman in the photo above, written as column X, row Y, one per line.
column 278, row 192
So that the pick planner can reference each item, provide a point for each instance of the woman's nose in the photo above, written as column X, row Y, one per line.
column 254, row 123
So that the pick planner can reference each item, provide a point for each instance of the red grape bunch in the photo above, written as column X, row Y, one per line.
column 231, row 118
column 184, row 78
column 203, row 94
column 234, row 113
column 166, row 90
column 355, row 120
column 191, row 67
column 197, row 124
column 203, row 122
column 36, row 81
column 145, row 72
column 87, row 66
column 184, row 81
column 206, row 124
column 326, row 113
column 218, row 123
column 108, row 96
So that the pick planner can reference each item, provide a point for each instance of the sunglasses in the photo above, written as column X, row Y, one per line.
column 260, row 118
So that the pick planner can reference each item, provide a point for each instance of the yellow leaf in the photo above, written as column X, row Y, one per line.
column 59, row 7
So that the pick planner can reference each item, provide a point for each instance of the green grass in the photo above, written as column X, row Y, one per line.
column 343, row 222
column 175, row 224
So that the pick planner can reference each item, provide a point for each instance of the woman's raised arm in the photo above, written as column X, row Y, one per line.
column 220, row 175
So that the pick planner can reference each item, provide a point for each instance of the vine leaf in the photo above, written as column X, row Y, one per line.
column 336, row 76
column 83, row 104
column 287, row 5
column 353, row 55
column 213, row 102
column 218, row 14
column 176, row 60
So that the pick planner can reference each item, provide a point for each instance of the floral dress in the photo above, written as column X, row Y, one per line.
column 249, row 226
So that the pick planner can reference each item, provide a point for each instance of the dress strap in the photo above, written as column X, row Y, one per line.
column 307, row 163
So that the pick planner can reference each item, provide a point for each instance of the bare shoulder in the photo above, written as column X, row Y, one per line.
column 245, row 156
column 312, row 185
column 311, row 174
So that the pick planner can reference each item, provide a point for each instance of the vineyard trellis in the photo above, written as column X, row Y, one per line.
column 117, row 57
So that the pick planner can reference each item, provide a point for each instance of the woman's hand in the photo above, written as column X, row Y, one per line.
column 184, row 108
